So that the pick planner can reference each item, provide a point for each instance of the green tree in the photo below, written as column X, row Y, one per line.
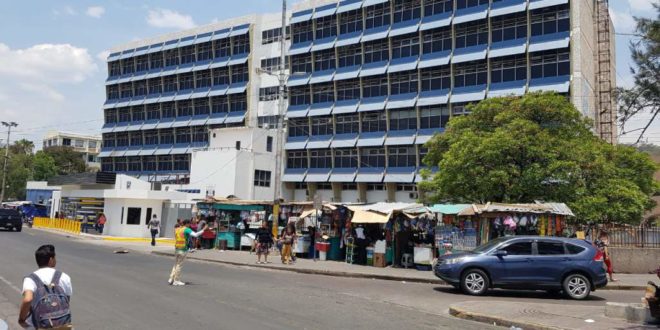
column 19, row 168
column 67, row 160
column 538, row 147
column 644, row 96
column 44, row 166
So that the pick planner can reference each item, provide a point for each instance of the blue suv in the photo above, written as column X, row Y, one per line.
column 526, row 263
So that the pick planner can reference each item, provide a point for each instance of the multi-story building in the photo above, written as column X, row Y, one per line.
column 88, row 146
column 371, row 82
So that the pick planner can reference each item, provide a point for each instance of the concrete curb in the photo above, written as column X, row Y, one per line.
column 167, row 241
column 489, row 319
column 314, row 271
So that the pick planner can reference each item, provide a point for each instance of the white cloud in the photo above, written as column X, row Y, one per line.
column 51, row 85
column 103, row 56
column 68, row 10
column 62, row 63
column 166, row 18
column 623, row 22
column 643, row 7
column 95, row 11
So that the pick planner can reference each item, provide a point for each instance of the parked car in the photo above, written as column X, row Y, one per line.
column 553, row 264
column 11, row 219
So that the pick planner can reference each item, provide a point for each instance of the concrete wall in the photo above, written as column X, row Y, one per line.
column 635, row 260
column 116, row 225
column 583, row 57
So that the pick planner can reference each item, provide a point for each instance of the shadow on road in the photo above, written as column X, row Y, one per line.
column 515, row 294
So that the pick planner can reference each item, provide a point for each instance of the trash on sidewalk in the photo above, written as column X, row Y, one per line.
column 121, row 251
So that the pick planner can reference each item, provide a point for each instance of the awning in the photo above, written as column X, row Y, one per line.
column 436, row 21
column 470, row 14
column 546, row 3
column 321, row 109
column 220, row 34
column 469, row 54
column 327, row 10
column 343, row 175
column 238, row 207
column 323, row 44
column 402, row 174
column 237, row 88
column 348, row 72
column 373, row 69
column 404, row 27
column 468, row 94
column 319, row 142
column 399, row 101
column 235, row 117
column 433, row 97
column 506, row 7
column 298, row 80
column 371, row 139
column 549, row 41
column 294, row 175
column 300, row 48
column 296, row 143
column 370, row 175
column 238, row 59
column 449, row 208
column 375, row 103
column 239, row 30
column 346, row 106
column 322, row 76
column 348, row 5
column 344, row 141
column 318, row 175
column 507, row 48
column 301, row 16
column 360, row 216
column 375, row 33
column 560, row 84
column 434, row 59
column 399, row 138
column 219, row 62
column 403, row 64
column 349, row 39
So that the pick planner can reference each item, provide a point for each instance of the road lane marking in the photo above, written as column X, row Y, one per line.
column 4, row 280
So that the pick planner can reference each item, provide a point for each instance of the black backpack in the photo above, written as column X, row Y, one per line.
column 50, row 305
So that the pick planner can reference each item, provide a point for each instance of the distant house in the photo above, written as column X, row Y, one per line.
column 88, row 146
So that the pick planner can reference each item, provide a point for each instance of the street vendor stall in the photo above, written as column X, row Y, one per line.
column 494, row 220
column 233, row 218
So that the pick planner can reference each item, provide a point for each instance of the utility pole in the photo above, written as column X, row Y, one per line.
column 277, row 191
column 9, row 125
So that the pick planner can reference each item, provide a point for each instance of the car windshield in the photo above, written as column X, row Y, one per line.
column 489, row 245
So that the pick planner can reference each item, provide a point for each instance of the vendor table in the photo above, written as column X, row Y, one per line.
column 233, row 239
column 423, row 255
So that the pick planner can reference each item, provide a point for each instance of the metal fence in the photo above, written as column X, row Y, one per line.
column 634, row 236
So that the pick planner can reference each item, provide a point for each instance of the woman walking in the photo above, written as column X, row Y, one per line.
column 264, row 241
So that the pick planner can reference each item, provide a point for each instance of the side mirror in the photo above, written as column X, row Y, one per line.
column 501, row 253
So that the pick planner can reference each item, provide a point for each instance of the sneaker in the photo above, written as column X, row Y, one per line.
column 170, row 282
column 178, row 283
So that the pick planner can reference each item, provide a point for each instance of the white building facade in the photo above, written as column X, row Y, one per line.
column 89, row 146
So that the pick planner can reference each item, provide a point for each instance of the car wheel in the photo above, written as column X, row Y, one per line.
column 475, row 282
column 577, row 286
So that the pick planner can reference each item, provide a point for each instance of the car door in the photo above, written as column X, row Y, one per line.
column 515, row 266
column 549, row 262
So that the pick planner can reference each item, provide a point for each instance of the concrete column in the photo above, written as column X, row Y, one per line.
column 391, row 191
column 336, row 191
column 362, row 191
column 311, row 191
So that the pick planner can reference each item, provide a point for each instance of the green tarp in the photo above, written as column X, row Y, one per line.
column 448, row 208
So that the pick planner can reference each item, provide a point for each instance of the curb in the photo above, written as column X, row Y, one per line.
column 489, row 319
column 167, row 241
column 315, row 271
column 623, row 287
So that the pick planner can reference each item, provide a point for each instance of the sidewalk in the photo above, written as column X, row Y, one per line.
column 307, row 266
column 534, row 316
column 9, row 311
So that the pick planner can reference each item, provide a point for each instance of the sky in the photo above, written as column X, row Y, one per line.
column 52, row 53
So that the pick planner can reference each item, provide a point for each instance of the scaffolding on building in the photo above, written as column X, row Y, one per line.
column 605, row 97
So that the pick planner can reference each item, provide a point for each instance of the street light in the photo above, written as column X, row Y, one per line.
column 9, row 125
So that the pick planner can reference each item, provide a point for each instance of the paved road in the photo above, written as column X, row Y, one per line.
column 129, row 291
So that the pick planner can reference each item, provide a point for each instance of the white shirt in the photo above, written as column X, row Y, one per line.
column 46, row 276
column 359, row 231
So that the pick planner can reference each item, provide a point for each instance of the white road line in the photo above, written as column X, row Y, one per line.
column 4, row 280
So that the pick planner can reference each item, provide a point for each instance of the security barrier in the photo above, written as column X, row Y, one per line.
column 65, row 225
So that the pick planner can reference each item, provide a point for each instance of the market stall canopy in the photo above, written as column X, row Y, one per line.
column 449, row 208
column 385, row 208
column 538, row 208
column 360, row 216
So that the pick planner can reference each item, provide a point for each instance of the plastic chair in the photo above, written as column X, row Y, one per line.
column 350, row 250
column 407, row 260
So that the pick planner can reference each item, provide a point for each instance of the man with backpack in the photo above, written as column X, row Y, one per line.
column 46, row 294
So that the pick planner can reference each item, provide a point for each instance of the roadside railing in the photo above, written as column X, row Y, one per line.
column 65, row 225
column 634, row 236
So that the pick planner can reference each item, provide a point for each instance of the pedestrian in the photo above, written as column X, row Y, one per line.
column 100, row 223
column 182, row 236
column 264, row 241
column 603, row 243
column 201, row 223
column 312, row 246
column 46, row 294
column 154, row 228
column 85, row 222
column 288, row 236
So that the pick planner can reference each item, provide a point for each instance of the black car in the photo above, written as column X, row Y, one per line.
column 11, row 219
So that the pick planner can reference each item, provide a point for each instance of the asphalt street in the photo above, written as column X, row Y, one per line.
column 129, row 291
